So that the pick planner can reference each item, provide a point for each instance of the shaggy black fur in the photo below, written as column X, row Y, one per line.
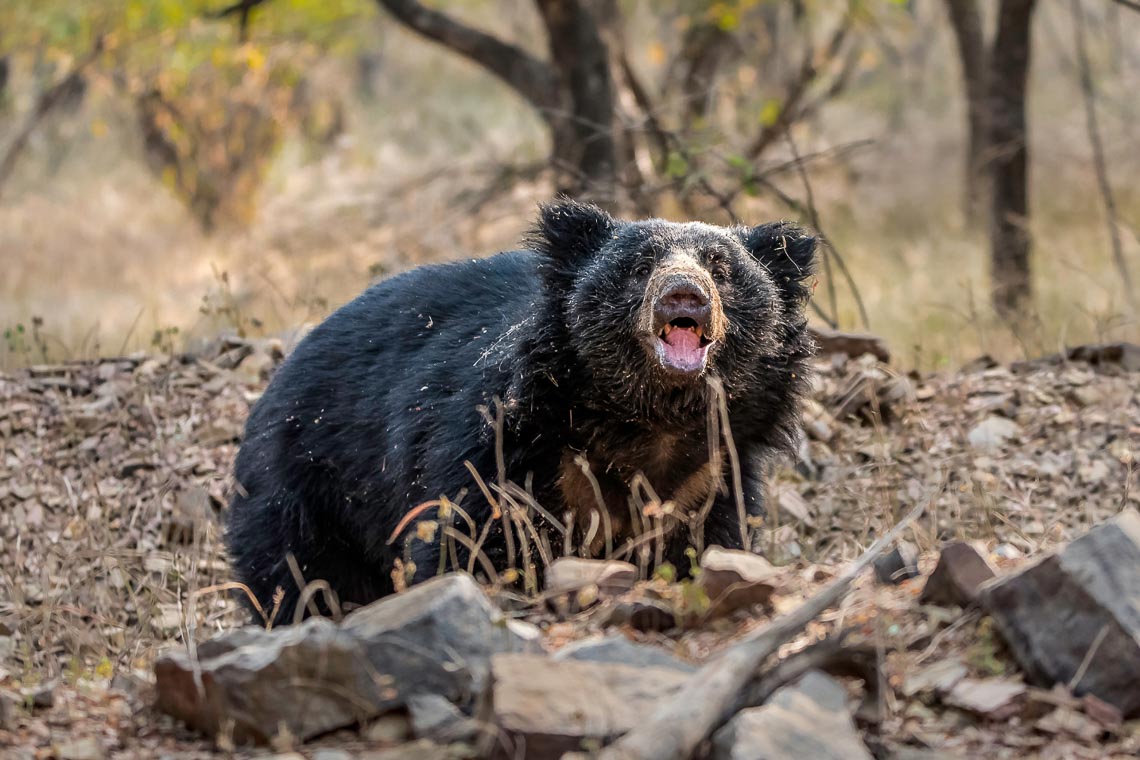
column 378, row 408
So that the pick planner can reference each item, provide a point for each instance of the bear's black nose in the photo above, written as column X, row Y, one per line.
column 683, row 299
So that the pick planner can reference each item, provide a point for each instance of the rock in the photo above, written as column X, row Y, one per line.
column 433, row 717
column 793, row 505
column 899, row 565
column 448, row 625
column 808, row 719
column 993, row 698
column 1078, row 611
column 43, row 698
column 1124, row 355
column 7, row 712
column 1067, row 721
column 544, row 707
column 256, row 686
column 571, row 574
column 956, row 577
column 392, row 728
column 992, row 432
column 231, row 640
column 616, row 648
column 525, row 638
column 436, row 638
column 735, row 579
column 87, row 748
column 853, row 345
column 1085, row 395
column 640, row 614
column 331, row 753
column 939, row 677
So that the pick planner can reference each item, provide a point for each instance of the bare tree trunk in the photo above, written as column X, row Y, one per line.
column 584, row 147
column 3, row 79
column 573, row 92
column 1009, row 232
column 966, row 22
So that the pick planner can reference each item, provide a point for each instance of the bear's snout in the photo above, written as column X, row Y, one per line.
column 682, row 316
column 683, row 298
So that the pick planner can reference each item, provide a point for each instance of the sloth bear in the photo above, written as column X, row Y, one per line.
column 595, row 371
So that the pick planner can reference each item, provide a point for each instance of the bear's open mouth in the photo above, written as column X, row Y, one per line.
column 682, row 345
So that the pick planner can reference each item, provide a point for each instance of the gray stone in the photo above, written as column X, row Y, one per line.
column 899, row 565
column 437, row 638
column 939, row 677
column 1078, row 611
column 331, row 753
column 447, row 625
column 256, row 687
column 808, row 719
column 544, row 707
column 735, row 580
column 957, row 577
column 992, row 432
column 993, row 698
column 616, row 648
column 572, row 574
column 433, row 717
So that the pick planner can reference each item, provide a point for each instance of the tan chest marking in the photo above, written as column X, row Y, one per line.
column 582, row 500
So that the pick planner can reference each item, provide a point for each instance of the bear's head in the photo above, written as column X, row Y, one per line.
column 654, row 308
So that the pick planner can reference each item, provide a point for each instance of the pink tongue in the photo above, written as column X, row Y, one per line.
column 683, row 348
column 684, row 340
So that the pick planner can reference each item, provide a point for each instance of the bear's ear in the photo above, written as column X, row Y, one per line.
column 787, row 251
column 568, row 231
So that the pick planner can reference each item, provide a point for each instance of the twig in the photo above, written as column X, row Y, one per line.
column 674, row 730
column 831, row 250
column 1089, row 94
column 1130, row 4
column 1089, row 655
column 242, row 9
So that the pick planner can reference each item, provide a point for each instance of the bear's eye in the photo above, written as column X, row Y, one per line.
column 719, row 269
column 643, row 269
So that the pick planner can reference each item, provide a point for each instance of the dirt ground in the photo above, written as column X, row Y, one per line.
column 114, row 476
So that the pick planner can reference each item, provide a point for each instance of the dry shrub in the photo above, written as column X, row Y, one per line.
column 212, row 133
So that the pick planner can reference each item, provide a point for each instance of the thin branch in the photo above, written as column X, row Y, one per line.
column 790, row 108
column 1129, row 4
column 707, row 699
column 242, row 9
column 831, row 250
column 1088, row 90
column 530, row 77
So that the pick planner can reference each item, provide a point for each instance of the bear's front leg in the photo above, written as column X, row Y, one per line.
column 724, row 526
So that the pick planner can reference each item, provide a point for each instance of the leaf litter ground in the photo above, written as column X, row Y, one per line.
column 114, row 477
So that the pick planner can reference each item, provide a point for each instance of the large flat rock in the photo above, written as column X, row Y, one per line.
column 1078, row 612
column 310, row 678
column 436, row 639
column 544, row 708
column 805, row 720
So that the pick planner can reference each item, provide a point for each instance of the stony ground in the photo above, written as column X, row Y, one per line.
column 114, row 479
